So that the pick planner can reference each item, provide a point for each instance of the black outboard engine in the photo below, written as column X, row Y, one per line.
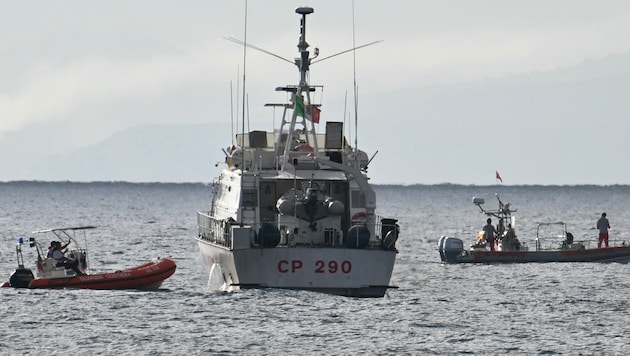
column 22, row 276
column 450, row 248
column 389, row 233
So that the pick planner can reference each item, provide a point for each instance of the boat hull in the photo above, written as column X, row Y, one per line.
column 452, row 251
column 148, row 276
column 612, row 254
column 338, row 271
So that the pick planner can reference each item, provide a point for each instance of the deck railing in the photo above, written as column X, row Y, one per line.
column 543, row 245
column 213, row 230
column 217, row 231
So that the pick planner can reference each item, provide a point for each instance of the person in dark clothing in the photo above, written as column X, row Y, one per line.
column 59, row 255
column 491, row 232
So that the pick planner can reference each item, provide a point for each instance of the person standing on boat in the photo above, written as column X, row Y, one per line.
column 603, row 226
column 491, row 232
column 59, row 255
column 500, row 229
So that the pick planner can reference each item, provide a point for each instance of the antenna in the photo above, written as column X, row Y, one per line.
column 248, row 127
column 346, row 51
column 232, row 112
column 304, row 62
column 316, row 51
column 348, row 116
column 356, row 106
column 243, row 118
column 242, row 144
column 238, row 98
column 237, row 41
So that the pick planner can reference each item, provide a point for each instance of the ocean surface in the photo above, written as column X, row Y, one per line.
column 533, row 309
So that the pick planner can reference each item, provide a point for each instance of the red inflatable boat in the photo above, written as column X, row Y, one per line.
column 148, row 276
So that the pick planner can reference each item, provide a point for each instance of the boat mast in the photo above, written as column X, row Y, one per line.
column 304, row 65
column 301, row 92
column 304, row 61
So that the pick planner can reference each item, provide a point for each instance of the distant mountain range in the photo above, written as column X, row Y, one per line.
column 146, row 153
column 545, row 127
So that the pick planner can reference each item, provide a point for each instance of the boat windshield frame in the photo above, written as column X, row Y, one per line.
column 540, row 227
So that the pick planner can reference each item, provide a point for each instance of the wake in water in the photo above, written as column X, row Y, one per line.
column 216, row 280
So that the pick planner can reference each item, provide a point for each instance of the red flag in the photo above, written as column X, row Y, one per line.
column 499, row 176
column 315, row 114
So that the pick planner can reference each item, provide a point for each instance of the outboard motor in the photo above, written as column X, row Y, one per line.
column 389, row 233
column 450, row 248
column 22, row 276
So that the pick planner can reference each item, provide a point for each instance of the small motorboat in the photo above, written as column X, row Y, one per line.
column 50, row 274
column 553, row 243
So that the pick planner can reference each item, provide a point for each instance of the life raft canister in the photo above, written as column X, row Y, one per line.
column 268, row 235
column 358, row 236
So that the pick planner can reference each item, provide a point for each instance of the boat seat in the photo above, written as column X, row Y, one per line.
column 50, row 266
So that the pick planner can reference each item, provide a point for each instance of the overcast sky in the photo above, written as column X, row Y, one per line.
column 433, row 96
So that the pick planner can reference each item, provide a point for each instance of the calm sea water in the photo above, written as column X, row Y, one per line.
column 438, row 309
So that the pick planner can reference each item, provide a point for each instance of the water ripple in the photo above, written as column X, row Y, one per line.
column 535, row 309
